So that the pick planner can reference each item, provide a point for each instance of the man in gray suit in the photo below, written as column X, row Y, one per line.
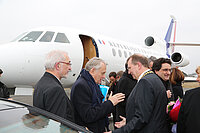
column 49, row 94
column 146, row 105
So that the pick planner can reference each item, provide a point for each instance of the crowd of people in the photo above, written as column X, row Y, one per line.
column 137, row 97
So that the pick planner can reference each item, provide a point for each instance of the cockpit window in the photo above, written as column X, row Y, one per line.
column 61, row 37
column 47, row 37
column 18, row 37
column 32, row 36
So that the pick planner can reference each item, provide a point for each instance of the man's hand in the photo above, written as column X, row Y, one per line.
column 108, row 132
column 169, row 94
column 121, row 123
column 115, row 99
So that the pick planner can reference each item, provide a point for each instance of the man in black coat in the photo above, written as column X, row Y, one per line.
column 125, row 85
column 146, row 105
column 49, row 94
column 4, row 93
column 189, row 114
column 87, row 97
column 162, row 68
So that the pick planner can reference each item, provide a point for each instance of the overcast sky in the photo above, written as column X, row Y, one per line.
column 127, row 20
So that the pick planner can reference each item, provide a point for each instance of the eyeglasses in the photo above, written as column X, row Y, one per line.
column 165, row 70
column 67, row 63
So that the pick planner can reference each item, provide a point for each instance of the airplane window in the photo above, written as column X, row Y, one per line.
column 47, row 37
column 61, row 37
column 125, row 54
column 32, row 36
column 120, row 53
column 114, row 52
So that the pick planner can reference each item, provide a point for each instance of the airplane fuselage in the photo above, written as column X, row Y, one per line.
column 23, row 60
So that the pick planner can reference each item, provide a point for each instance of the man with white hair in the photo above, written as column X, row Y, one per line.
column 86, row 97
column 49, row 94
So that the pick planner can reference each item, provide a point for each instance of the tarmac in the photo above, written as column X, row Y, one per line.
column 28, row 99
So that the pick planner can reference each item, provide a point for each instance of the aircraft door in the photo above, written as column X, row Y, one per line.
column 90, row 48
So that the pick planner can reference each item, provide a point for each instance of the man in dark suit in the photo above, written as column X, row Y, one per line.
column 125, row 85
column 49, row 94
column 4, row 93
column 86, row 97
column 189, row 114
column 146, row 105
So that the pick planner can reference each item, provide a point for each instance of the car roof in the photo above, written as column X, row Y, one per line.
column 11, row 104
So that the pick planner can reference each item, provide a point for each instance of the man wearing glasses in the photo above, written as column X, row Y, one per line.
column 162, row 67
column 49, row 94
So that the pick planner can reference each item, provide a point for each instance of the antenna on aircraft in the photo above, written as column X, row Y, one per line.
column 173, row 17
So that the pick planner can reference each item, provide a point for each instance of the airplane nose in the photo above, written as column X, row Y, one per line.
column 18, row 63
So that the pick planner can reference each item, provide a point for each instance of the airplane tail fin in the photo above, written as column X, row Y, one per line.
column 170, row 48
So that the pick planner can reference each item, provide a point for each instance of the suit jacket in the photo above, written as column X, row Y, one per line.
column 49, row 95
column 146, row 107
column 4, row 93
column 168, row 86
column 189, row 114
column 86, row 114
column 125, row 85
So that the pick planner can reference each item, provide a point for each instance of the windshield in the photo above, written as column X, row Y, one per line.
column 18, row 37
column 32, row 36
column 47, row 37
column 61, row 37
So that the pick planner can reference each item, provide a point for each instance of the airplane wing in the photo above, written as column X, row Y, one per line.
column 190, row 79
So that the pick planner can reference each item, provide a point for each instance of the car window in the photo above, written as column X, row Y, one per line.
column 21, row 119
column 18, row 122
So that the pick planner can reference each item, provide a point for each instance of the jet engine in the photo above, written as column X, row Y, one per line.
column 179, row 59
column 154, row 41
column 149, row 41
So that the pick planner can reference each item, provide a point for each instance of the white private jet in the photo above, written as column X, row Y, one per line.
column 22, row 60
